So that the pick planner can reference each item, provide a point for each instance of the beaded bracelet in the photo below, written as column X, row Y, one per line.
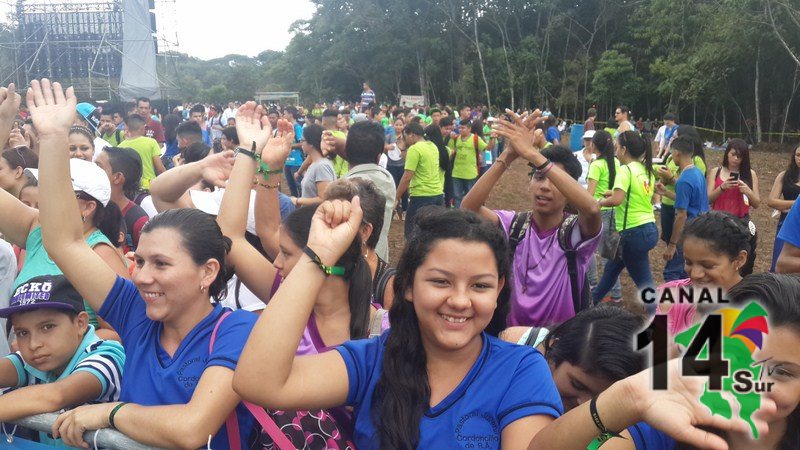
column 329, row 270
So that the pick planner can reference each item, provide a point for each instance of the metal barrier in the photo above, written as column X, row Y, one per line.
column 105, row 438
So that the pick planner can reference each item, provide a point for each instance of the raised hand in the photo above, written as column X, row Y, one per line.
column 279, row 146
column 217, row 167
column 52, row 110
column 252, row 126
column 328, row 144
column 526, row 143
column 333, row 228
column 9, row 106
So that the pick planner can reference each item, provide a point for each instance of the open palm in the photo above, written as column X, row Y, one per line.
column 279, row 146
column 52, row 110
column 217, row 168
column 252, row 126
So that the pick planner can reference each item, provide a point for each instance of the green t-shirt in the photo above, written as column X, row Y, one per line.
column 115, row 138
column 697, row 161
column 640, row 208
column 38, row 262
column 147, row 148
column 340, row 165
column 465, row 166
column 423, row 159
column 598, row 171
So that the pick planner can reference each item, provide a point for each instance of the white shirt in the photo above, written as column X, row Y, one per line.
column 660, row 136
column 584, row 168
column 99, row 145
column 227, row 114
column 247, row 300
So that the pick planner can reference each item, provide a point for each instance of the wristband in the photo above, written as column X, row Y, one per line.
column 605, row 434
column 543, row 166
column 329, row 270
column 264, row 170
column 503, row 162
column 114, row 413
column 244, row 151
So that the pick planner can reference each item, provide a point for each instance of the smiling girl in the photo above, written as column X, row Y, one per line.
column 435, row 377
column 81, row 143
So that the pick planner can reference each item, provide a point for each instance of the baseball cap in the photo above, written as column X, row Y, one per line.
column 44, row 291
column 90, row 113
column 589, row 134
column 87, row 177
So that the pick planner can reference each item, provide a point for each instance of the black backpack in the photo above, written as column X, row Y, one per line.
column 581, row 295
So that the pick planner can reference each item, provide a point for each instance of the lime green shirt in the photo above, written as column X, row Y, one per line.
column 423, row 159
column 465, row 166
column 147, row 148
column 598, row 171
column 340, row 165
column 697, row 161
column 640, row 208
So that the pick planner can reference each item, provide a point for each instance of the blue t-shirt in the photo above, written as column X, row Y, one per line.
column 206, row 138
column 172, row 148
column 154, row 378
column 669, row 132
column 790, row 230
column 646, row 437
column 295, row 158
column 552, row 135
column 507, row 382
column 691, row 193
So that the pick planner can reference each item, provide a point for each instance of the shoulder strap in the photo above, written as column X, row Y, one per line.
column 519, row 226
column 232, row 422
column 383, row 281
column 627, row 200
column 564, row 234
column 376, row 324
column 532, row 336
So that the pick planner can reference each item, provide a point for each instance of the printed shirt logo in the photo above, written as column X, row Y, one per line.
column 478, row 430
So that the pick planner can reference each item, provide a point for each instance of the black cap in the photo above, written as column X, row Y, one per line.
column 46, row 291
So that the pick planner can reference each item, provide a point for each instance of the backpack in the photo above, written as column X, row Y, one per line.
column 581, row 295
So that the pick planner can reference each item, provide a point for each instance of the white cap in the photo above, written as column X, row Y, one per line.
column 589, row 134
column 89, row 178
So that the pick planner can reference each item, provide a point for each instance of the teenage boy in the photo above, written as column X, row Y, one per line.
column 61, row 363
column 147, row 148
column 468, row 150
column 691, row 200
column 541, row 287
column 664, row 135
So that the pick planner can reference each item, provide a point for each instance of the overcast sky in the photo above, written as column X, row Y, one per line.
column 210, row 29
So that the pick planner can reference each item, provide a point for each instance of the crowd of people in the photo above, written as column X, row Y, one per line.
column 223, row 278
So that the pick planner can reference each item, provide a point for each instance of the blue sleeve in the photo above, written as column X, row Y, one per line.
column 19, row 366
column 285, row 204
column 124, row 308
column 532, row 392
column 646, row 437
column 361, row 357
column 231, row 337
column 790, row 231
column 683, row 192
column 206, row 138
column 298, row 132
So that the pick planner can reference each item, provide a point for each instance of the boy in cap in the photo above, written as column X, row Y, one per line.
column 61, row 363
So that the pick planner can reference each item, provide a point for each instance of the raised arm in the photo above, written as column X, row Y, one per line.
column 518, row 137
column 171, row 189
column 269, row 373
column 477, row 196
column 62, row 234
column 252, row 126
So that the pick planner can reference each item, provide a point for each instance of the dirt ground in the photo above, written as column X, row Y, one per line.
column 512, row 193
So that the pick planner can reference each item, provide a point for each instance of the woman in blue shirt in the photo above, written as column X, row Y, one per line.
column 446, row 382
column 178, row 393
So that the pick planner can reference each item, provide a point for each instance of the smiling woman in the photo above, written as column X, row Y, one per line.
column 436, row 377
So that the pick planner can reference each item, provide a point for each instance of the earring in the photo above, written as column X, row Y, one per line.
column 202, row 288
column 83, row 218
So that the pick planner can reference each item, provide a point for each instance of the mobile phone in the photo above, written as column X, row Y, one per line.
column 735, row 176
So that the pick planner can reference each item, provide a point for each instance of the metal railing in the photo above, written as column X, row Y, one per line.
column 105, row 438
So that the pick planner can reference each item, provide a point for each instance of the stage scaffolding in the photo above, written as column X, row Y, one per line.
column 79, row 44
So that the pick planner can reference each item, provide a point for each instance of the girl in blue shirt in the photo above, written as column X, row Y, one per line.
column 446, row 382
column 178, row 393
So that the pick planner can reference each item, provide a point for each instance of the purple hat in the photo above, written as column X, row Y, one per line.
column 45, row 291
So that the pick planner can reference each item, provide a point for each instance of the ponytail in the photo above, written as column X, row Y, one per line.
column 639, row 148
column 604, row 143
column 434, row 134
column 108, row 219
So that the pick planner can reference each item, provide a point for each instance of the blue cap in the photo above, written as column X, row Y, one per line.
column 88, row 112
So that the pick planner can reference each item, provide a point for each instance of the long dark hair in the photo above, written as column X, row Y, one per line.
column 357, row 274
column 604, row 144
column 202, row 238
column 792, row 174
column 598, row 340
column 107, row 219
column 171, row 122
column 403, row 392
column 639, row 148
column 743, row 150
column 691, row 133
column 434, row 134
